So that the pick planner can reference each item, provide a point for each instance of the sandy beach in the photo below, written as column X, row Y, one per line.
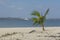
column 30, row 33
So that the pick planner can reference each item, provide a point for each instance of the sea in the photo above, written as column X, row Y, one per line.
column 28, row 23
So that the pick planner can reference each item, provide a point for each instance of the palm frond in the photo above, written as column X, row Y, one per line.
column 35, row 21
column 41, row 20
column 46, row 12
column 36, row 13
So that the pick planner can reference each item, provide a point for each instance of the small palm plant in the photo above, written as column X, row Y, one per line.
column 39, row 19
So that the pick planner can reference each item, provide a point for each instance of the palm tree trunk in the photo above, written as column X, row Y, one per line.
column 43, row 27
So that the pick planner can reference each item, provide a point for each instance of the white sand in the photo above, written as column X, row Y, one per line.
column 50, row 33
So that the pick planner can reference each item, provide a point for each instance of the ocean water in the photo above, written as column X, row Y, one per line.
column 28, row 23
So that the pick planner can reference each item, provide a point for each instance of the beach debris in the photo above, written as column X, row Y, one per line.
column 32, row 31
column 18, row 39
column 8, row 34
column 58, row 33
column 53, row 36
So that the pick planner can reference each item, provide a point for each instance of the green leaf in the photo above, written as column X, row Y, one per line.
column 36, row 13
column 46, row 12
column 41, row 21
column 35, row 21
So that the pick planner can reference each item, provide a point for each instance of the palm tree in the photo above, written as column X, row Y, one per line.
column 39, row 19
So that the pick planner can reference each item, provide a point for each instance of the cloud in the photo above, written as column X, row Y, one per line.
column 15, row 7
column 4, row 2
column 19, row 8
column 12, row 6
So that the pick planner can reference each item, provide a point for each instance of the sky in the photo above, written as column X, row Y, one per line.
column 24, row 8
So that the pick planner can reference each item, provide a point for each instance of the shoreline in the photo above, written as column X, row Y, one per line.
column 29, row 27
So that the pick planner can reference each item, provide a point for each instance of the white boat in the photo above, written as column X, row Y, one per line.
column 26, row 19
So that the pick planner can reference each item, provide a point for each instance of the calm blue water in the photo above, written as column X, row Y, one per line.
column 29, row 23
